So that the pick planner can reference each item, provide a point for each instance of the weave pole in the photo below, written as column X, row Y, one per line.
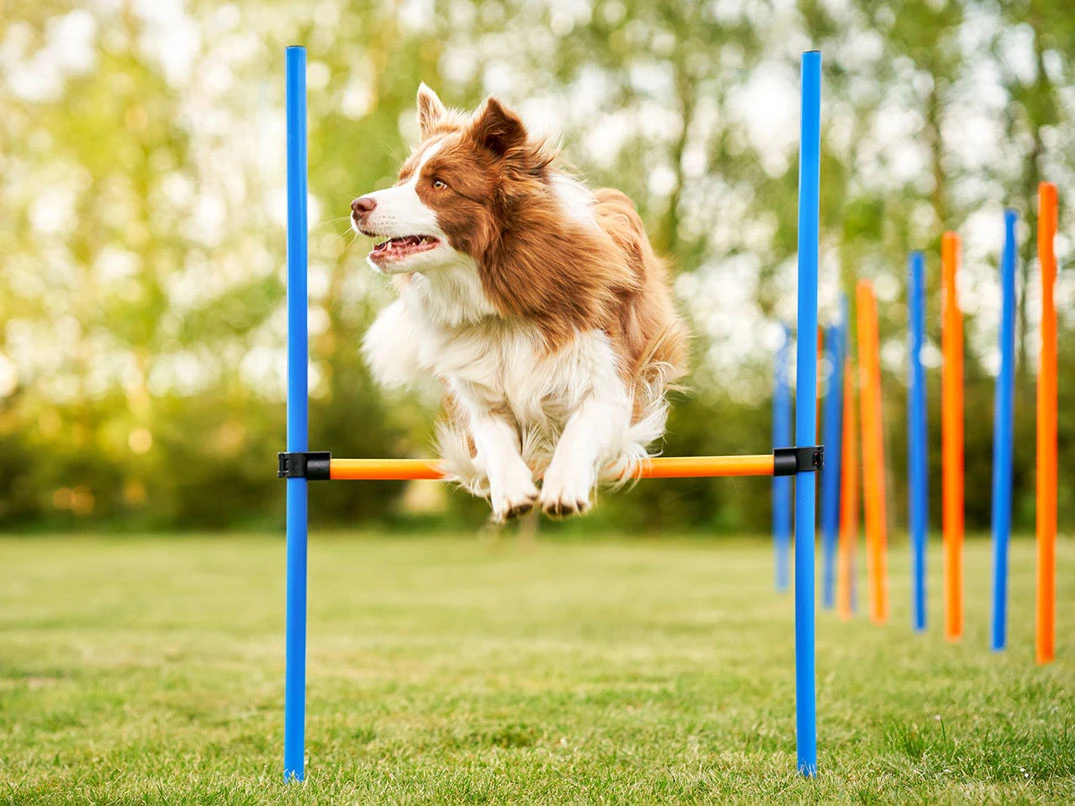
column 806, row 410
column 845, row 578
column 830, row 475
column 917, row 450
column 820, row 396
column 873, row 457
column 1003, row 437
column 1045, row 639
column 952, row 436
column 782, row 503
column 297, row 420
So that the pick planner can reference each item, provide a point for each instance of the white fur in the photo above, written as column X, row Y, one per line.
column 567, row 413
column 497, row 450
column 576, row 198
column 452, row 294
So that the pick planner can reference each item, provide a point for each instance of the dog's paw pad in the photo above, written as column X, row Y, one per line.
column 562, row 498
column 564, row 508
column 510, row 506
column 519, row 510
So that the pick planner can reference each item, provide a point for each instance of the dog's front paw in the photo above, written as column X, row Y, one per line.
column 566, row 491
column 514, row 500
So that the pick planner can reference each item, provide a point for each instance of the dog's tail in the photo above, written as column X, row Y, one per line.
column 458, row 460
column 657, row 372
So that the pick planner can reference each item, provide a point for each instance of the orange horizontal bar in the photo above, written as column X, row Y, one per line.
column 688, row 467
column 383, row 469
column 661, row 467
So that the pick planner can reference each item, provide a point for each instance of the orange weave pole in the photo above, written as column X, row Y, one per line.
column 849, row 515
column 952, row 437
column 1047, row 429
column 662, row 467
column 873, row 457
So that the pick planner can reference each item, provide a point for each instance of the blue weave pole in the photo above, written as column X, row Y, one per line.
column 782, row 437
column 806, row 411
column 832, row 436
column 297, row 423
column 1003, row 437
column 917, row 456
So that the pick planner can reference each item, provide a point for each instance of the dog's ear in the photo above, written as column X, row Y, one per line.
column 498, row 129
column 430, row 109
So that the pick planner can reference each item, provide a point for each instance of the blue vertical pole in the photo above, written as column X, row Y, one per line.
column 782, row 438
column 1003, row 436
column 806, row 411
column 832, row 436
column 917, row 458
column 297, row 428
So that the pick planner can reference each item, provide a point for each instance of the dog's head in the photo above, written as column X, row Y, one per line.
column 456, row 192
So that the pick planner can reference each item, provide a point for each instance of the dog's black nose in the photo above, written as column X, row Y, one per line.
column 362, row 205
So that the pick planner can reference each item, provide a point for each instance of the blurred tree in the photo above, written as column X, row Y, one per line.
column 141, row 223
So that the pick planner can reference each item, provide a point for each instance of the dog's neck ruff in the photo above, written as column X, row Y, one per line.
column 450, row 296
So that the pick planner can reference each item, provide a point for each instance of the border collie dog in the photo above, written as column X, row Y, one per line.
column 537, row 303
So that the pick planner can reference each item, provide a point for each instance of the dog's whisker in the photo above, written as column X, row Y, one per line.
column 321, row 224
column 343, row 235
column 349, row 243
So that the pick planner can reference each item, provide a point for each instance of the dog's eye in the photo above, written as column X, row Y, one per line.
column 438, row 184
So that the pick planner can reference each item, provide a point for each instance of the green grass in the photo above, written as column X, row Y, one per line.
column 150, row 670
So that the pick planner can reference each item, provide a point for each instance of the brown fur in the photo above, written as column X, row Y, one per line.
column 537, row 263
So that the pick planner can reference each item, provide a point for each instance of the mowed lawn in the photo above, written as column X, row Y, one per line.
column 150, row 670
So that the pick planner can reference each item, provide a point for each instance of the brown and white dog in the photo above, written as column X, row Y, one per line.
column 537, row 303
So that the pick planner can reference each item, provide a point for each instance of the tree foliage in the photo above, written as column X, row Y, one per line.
column 141, row 204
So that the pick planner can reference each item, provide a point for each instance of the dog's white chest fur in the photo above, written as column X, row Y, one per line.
column 494, row 365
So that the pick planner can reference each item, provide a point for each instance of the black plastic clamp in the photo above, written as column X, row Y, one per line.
column 789, row 461
column 309, row 465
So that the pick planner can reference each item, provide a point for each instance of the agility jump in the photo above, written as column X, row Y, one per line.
column 298, row 465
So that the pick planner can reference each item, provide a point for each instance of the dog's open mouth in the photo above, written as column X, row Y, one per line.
column 398, row 248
